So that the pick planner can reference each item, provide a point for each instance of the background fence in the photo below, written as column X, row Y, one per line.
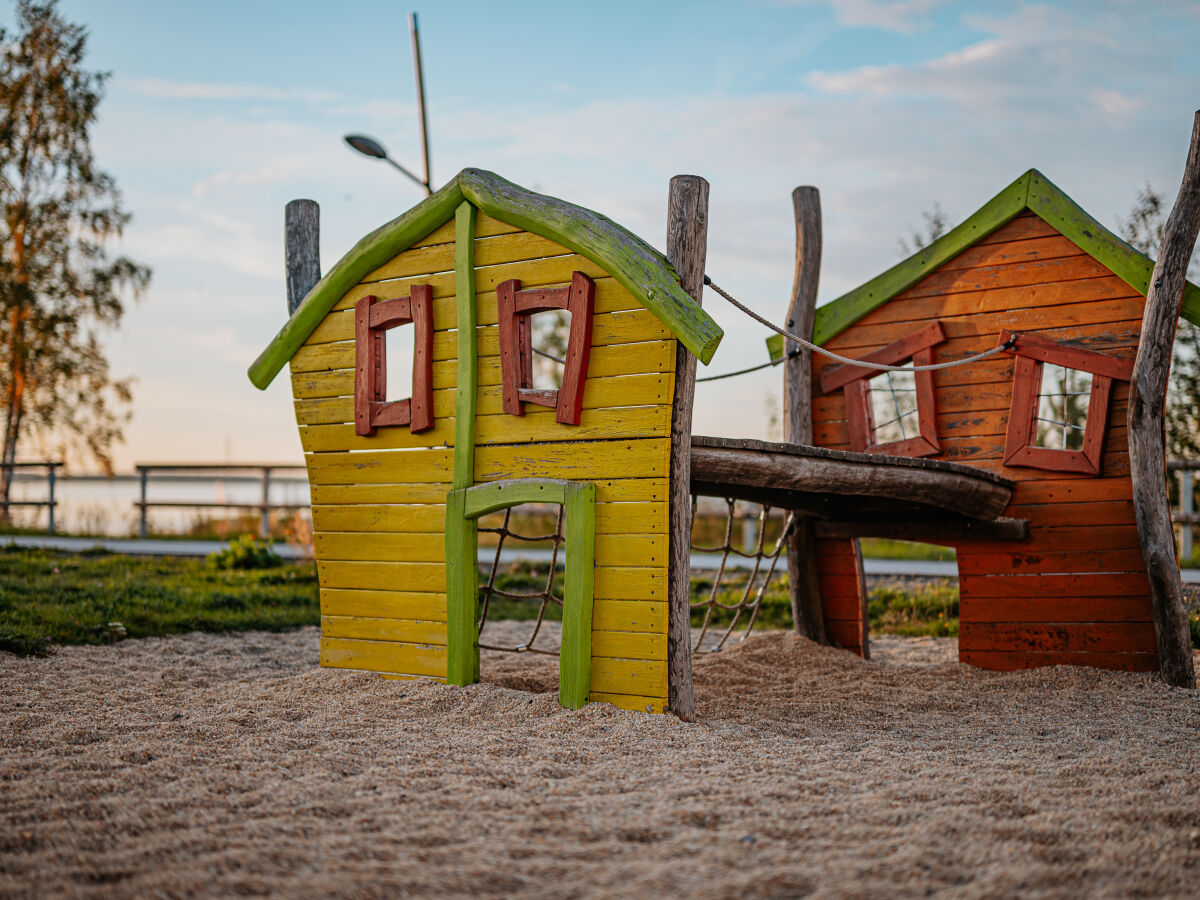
column 259, row 488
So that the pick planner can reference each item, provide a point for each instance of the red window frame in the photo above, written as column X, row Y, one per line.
column 372, row 318
column 1031, row 353
column 855, row 380
column 516, row 309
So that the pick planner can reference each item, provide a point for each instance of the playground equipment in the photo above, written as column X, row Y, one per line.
column 399, row 484
column 1032, row 269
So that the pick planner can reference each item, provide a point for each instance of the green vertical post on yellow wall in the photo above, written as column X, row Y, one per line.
column 468, row 359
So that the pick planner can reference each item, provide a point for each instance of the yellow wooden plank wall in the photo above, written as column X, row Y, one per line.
column 378, row 502
column 623, row 443
column 382, row 619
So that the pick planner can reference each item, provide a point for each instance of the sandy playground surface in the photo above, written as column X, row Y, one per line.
column 225, row 765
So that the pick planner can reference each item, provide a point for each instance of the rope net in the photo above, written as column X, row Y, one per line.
column 741, row 575
column 736, row 546
column 550, row 593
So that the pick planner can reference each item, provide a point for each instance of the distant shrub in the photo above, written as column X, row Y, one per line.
column 246, row 552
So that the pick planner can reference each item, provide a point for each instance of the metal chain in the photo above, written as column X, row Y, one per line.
column 815, row 348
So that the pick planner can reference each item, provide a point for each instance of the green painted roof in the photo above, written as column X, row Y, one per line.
column 641, row 269
column 1032, row 191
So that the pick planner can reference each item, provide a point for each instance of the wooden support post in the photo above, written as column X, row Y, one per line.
column 1147, row 402
column 144, row 475
column 302, row 249
column 50, row 468
column 1187, row 488
column 807, row 616
column 264, row 516
column 687, row 247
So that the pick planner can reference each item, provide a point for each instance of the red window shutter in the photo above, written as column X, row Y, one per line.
column 372, row 318
column 515, row 309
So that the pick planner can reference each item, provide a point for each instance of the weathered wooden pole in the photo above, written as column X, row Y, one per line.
column 687, row 247
column 807, row 616
column 1147, row 402
column 302, row 249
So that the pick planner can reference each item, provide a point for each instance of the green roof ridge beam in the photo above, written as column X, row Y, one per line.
column 637, row 266
column 835, row 317
column 641, row 269
column 1132, row 266
column 367, row 255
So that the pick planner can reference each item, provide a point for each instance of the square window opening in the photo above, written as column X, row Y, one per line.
column 1062, row 408
column 550, row 334
column 398, row 363
column 894, row 413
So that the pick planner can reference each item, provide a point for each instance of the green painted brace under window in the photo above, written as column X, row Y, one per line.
column 464, row 506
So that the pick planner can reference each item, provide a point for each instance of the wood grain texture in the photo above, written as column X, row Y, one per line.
column 466, row 385
column 687, row 248
column 844, row 596
column 1147, row 405
column 574, row 667
column 427, row 660
column 580, row 304
column 896, row 352
column 423, row 606
column 807, row 615
column 302, row 249
column 810, row 470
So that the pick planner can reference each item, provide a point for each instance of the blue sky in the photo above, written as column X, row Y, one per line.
column 219, row 113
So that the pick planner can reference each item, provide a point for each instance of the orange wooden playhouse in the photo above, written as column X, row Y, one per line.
column 1048, row 414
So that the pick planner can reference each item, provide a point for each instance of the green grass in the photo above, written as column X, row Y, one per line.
column 884, row 548
column 929, row 609
column 49, row 598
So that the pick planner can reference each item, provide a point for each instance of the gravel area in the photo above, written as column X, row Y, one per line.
column 220, row 765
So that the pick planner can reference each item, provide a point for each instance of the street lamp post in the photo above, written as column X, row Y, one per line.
column 370, row 147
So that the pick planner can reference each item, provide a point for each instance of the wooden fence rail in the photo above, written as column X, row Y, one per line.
column 51, row 468
column 1186, row 518
column 264, row 506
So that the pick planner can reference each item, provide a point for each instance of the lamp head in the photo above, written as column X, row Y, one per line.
column 366, row 146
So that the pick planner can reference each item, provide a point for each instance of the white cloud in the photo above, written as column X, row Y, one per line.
column 1115, row 103
column 200, row 240
column 904, row 16
column 161, row 88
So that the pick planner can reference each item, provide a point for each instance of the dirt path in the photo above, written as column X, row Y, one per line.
column 227, row 765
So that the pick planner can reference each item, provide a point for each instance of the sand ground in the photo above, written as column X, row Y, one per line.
column 231, row 764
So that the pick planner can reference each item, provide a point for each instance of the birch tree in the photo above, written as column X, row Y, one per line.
column 60, row 286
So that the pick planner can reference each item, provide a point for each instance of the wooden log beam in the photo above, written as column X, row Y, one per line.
column 794, row 467
column 302, row 249
column 1147, row 402
column 808, row 616
column 687, row 247
column 946, row 533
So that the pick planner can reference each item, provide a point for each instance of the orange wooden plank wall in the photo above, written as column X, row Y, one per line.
column 1075, row 592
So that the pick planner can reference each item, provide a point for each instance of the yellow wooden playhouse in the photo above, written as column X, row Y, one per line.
column 398, row 483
